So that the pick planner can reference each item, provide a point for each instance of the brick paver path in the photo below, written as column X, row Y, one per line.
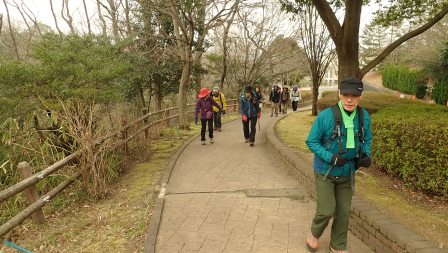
column 230, row 197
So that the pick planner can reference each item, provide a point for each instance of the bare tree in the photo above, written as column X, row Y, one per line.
column 190, row 28
column 30, row 14
column 55, row 18
column 101, row 18
column 69, row 19
column 87, row 16
column 225, row 37
column 127, row 12
column 11, row 31
column 318, row 47
column 261, row 47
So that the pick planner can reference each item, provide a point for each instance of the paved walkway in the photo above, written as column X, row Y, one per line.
column 230, row 197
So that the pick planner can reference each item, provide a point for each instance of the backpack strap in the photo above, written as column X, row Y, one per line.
column 361, row 124
column 337, row 127
column 220, row 99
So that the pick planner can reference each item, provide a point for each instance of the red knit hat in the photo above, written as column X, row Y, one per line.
column 204, row 92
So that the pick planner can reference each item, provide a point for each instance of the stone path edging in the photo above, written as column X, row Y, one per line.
column 380, row 232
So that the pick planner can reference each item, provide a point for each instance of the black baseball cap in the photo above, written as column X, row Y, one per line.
column 351, row 85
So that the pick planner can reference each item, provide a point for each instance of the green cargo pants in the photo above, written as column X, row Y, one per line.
column 334, row 198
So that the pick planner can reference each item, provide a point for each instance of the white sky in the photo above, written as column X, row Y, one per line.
column 41, row 8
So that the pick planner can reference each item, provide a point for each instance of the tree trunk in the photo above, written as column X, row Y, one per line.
column 11, row 32
column 348, row 67
column 315, row 94
column 158, row 94
column 142, row 96
column 69, row 18
column 102, row 20
column 183, row 89
column 87, row 16
column 225, row 47
column 55, row 18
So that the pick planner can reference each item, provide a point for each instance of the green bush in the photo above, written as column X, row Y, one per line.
column 402, row 78
column 410, row 142
column 371, row 101
column 440, row 91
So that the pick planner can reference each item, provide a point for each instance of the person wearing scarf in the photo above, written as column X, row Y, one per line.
column 334, row 193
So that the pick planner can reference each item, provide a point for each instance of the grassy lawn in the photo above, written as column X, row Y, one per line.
column 426, row 215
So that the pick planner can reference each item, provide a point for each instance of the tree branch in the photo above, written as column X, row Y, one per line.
column 403, row 39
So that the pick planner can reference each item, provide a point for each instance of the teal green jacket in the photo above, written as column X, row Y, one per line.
column 318, row 143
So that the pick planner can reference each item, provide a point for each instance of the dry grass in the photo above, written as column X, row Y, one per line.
column 424, row 214
column 118, row 223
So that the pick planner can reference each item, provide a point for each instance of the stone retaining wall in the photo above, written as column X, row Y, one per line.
column 378, row 231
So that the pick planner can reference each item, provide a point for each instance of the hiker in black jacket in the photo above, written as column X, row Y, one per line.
column 274, row 98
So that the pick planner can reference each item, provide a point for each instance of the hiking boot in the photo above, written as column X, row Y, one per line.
column 276, row 114
column 219, row 129
column 247, row 140
column 251, row 143
column 203, row 142
column 272, row 114
column 312, row 243
column 211, row 140
column 215, row 128
column 331, row 250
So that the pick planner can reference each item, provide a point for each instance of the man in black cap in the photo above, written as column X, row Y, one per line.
column 340, row 139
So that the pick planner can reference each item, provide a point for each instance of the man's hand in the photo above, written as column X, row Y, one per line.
column 259, row 115
column 338, row 160
column 223, row 112
column 244, row 118
column 196, row 121
column 365, row 161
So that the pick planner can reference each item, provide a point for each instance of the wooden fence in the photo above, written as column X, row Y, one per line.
column 127, row 132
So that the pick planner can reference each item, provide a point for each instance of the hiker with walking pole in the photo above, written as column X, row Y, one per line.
column 250, row 113
column 340, row 139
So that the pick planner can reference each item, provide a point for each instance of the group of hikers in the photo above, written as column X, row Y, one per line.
column 211, row 105
column 340, row 139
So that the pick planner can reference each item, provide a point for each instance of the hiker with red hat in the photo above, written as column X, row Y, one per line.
column 204, row 106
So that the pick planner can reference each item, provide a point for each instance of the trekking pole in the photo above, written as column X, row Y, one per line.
column 331, row 167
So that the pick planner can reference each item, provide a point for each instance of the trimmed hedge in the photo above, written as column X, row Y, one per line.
column 371, row 101
column 402, row 78
column 410, row 142
column 440, row 91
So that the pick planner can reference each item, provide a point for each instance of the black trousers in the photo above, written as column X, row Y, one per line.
column 253, row 128
column 217, row 119
column 294, row 105
column 204, row 123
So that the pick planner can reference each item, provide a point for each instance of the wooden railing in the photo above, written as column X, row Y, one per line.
column 127, row 132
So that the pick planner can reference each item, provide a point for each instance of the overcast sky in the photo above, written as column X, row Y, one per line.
column 42, row 10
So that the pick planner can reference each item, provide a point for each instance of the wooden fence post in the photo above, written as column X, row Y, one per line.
column 167, row 114
column 31, row 192
column 145, row 120
column 124, row 135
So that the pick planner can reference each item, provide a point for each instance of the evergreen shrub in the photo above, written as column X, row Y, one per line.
column 440, row 91
column 410, row 142
column 402, row 79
